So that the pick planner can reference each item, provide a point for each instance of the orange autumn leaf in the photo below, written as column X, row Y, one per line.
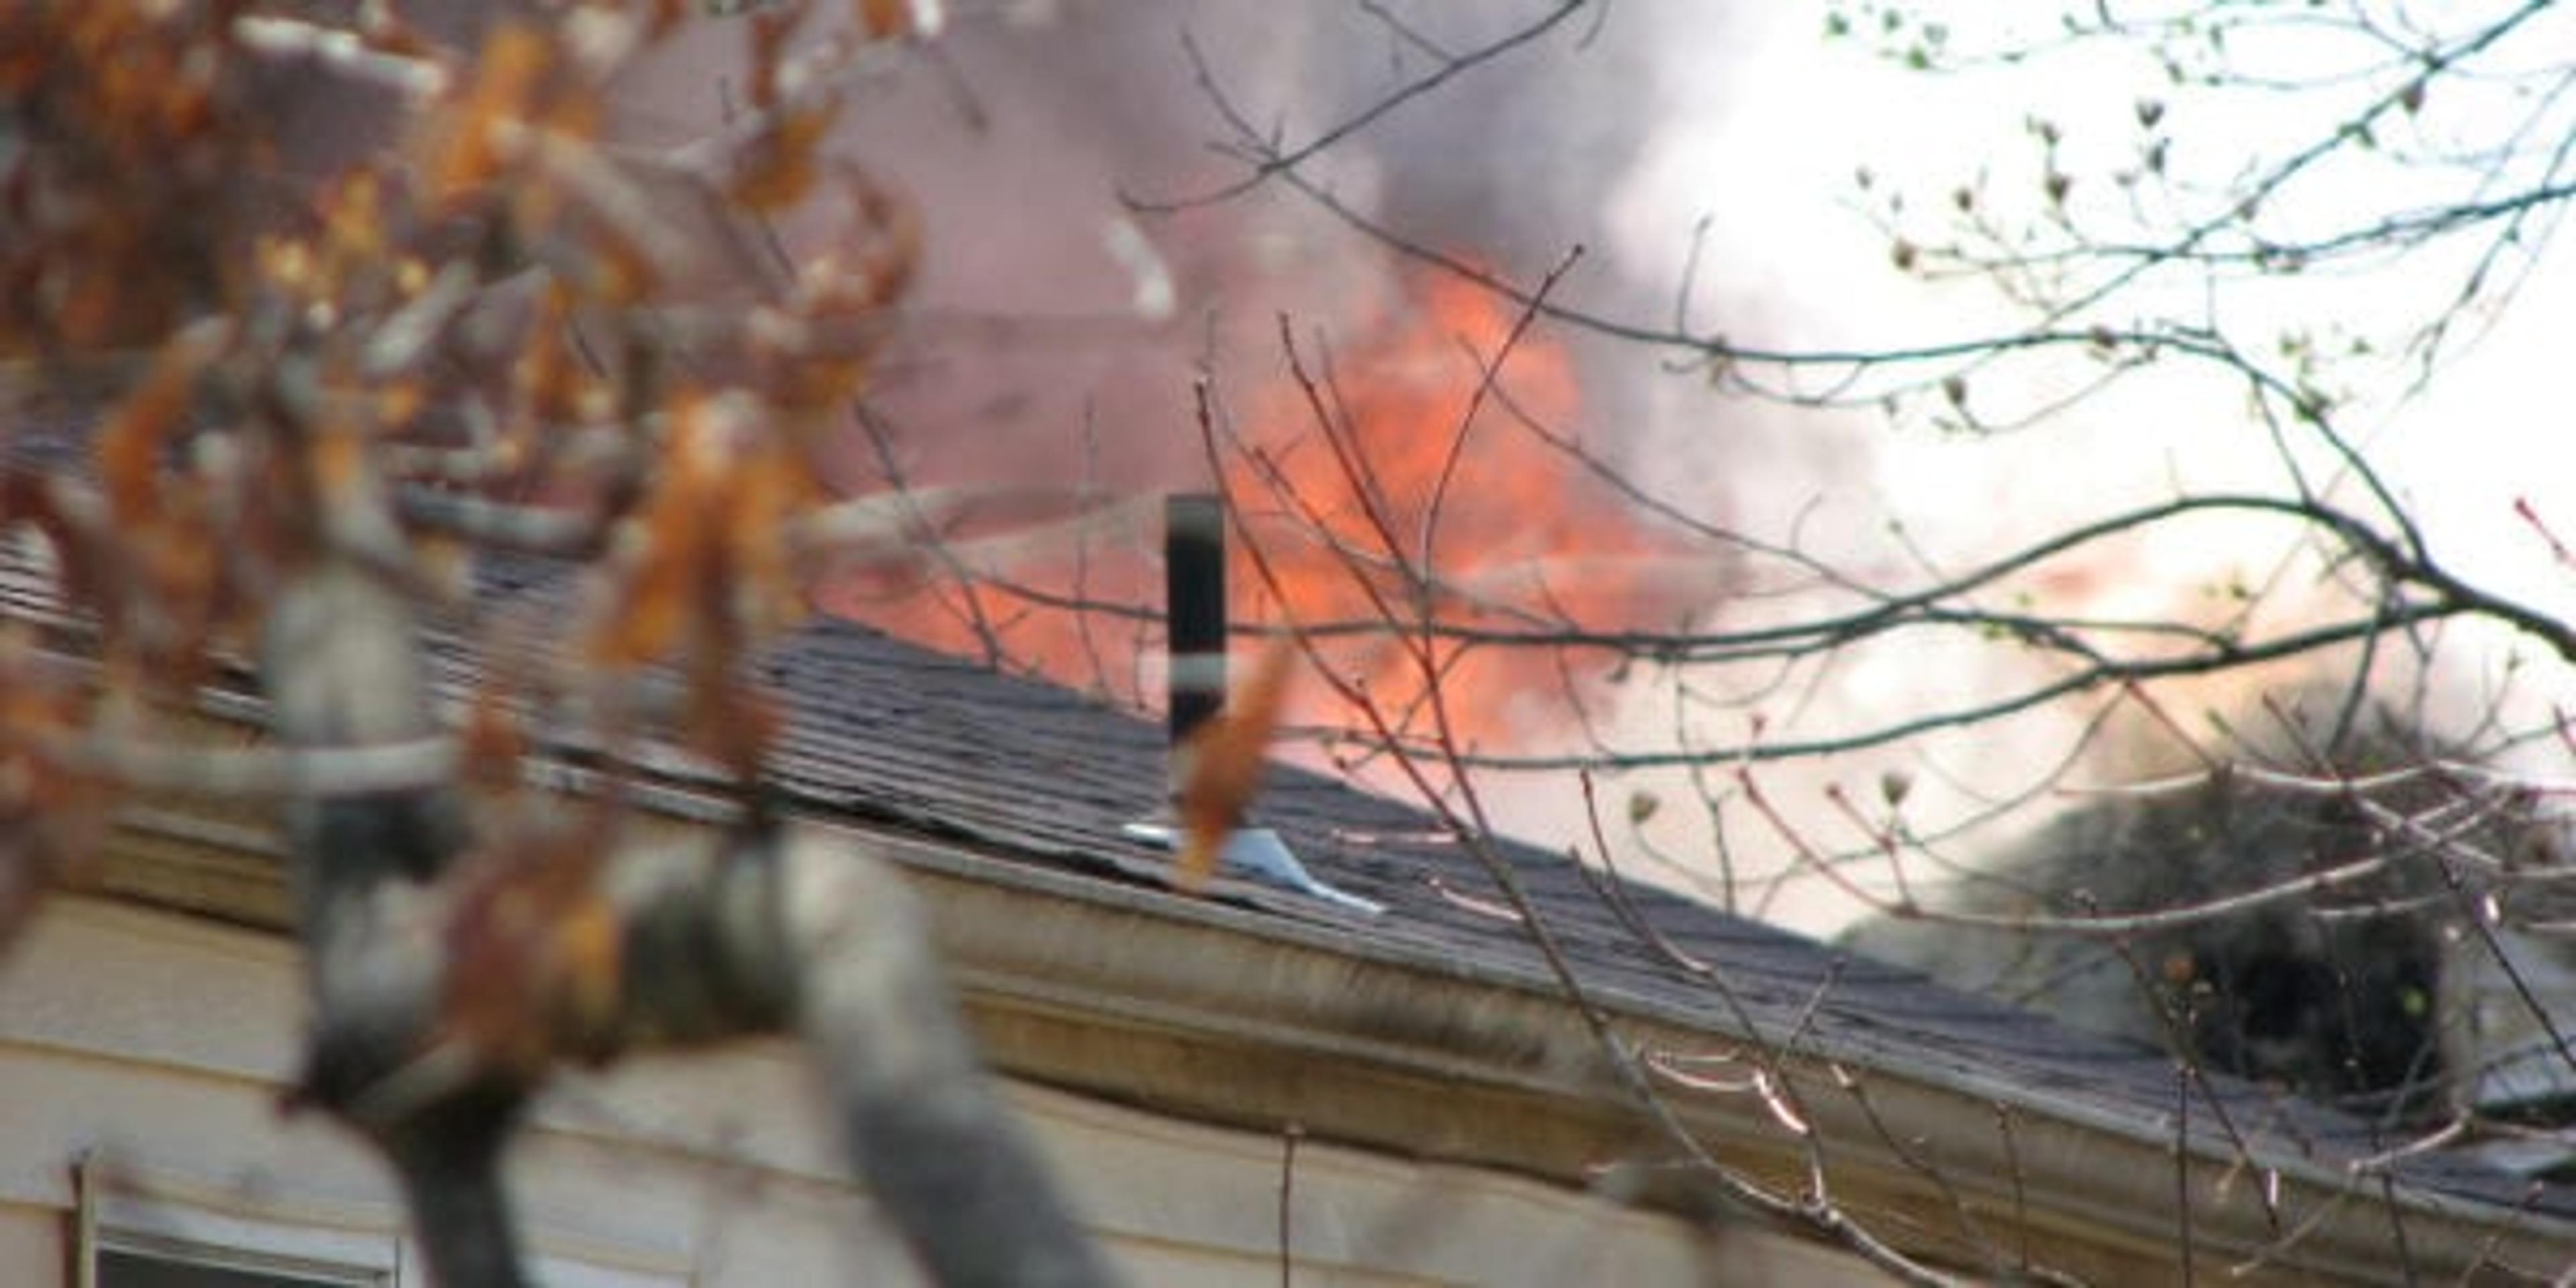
column 468, row 150
column 534, row 952
column 778, row 168
column 901, row 19
column 1223, row 759
column 715, row 553
column 765, row 575
column 31, row 716
column 492, row 740
column 175, row 567
column 129, row 451
column 549, row 378
column 354, row 224
column 815, row 353
column 728, row 722
column 653, row 606
column 52, row 818
column 769, row 31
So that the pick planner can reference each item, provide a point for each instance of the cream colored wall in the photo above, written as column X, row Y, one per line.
column 156, row 1044
column 31, row 1242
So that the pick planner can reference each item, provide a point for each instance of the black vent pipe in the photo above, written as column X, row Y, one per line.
column 1194, row 599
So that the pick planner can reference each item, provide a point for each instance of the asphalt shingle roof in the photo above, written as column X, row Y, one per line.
column 1038, row 774
column 888, row 733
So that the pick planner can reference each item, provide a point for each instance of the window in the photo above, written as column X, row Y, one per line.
column 148, row 1228
column 172, row 1264
column 139, row 1230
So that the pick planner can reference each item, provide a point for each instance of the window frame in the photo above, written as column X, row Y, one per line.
column 122, row 1208
column 131, row 1208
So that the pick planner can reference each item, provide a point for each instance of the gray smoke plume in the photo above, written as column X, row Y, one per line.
column 1057, row 323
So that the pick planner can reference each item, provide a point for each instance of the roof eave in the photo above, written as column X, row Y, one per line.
column 1216, row 1013
column 1248, row 1018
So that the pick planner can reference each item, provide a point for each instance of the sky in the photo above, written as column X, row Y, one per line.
column 1766, row 138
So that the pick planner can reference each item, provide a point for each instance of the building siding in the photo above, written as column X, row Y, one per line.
column 156, row 1045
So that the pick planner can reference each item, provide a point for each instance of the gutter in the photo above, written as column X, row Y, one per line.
column 1254, row 1021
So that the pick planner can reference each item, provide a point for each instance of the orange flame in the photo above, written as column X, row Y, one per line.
column 1454, row 499
column 1427, row 455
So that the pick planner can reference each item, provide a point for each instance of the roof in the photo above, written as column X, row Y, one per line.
column 990, row 785
column 1037, row 775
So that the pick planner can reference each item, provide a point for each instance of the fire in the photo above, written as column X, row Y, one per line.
column 1448, row 488
column 1456, row 498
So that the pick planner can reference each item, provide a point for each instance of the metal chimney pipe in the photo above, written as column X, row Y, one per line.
column 1194, row 600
